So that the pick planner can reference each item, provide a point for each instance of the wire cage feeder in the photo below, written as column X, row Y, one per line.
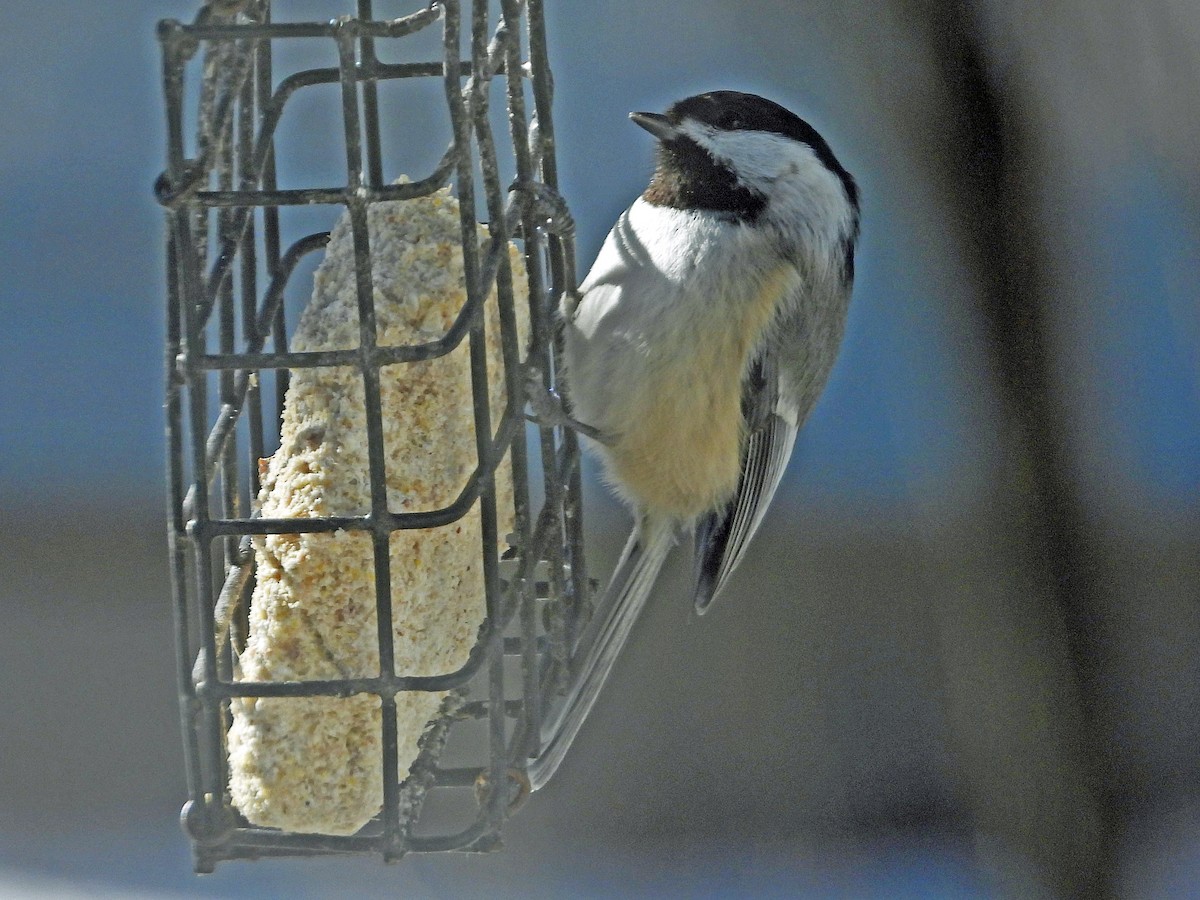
column 228, row 363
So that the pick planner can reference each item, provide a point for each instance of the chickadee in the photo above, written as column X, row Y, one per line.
column 699, row 343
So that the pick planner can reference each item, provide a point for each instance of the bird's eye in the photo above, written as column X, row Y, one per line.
column 733, row 122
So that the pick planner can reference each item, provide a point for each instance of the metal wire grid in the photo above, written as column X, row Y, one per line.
column 223, row 223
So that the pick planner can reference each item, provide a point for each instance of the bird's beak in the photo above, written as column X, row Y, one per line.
column 656, row 124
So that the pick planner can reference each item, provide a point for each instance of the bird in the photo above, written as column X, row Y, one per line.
column 697, row 346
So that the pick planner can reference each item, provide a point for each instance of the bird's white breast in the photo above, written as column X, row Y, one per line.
column 671, row 314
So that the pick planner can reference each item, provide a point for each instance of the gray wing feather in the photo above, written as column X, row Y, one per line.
column 723, row 536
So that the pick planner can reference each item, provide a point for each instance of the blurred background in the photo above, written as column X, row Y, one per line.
column 961, row 659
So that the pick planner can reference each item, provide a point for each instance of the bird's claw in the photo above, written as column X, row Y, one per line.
column 544, row 205
column 549, row 410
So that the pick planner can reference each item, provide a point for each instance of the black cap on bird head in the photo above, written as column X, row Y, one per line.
column 688, row 176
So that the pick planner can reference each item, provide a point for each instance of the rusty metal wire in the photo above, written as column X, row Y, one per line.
column 227, row 335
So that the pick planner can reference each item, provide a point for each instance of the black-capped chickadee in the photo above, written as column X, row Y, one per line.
column 698, row 344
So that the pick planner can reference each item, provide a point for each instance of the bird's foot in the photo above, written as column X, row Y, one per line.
column 549, row 410
column 545, row 207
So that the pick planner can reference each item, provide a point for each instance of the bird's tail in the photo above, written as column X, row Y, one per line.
column 623, row 599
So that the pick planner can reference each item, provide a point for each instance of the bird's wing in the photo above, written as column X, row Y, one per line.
column 779, row 392
column 723, row 535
